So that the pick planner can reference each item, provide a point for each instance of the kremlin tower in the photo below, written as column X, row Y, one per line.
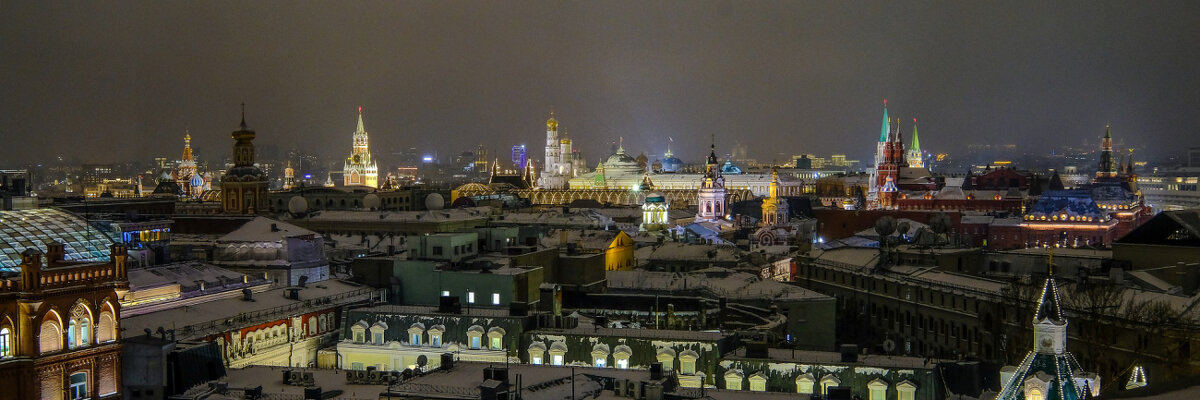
column 915, row 159
column 360, row 170
column 889, row 157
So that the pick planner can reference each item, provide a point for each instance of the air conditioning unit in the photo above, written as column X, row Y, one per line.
column 634, row 390
column 308, row 379
column 619, row 388
column 351, row 377
column 296, row 378
column 373, row 377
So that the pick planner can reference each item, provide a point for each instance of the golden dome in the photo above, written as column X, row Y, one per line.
column 565, row 141
column 552, row 124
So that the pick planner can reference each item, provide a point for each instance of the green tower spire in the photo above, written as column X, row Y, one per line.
column 916, row 144
column 883, row 135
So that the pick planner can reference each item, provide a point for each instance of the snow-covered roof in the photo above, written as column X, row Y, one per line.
column 718, row 281
column 263, row 229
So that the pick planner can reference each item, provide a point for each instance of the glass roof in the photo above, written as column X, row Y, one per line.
column 24, row 229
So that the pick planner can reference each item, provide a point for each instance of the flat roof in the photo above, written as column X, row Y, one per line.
column 265, row 307
column 835, row 358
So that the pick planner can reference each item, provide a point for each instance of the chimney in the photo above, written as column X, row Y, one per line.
column 54, row 252
column 31, row 270
column 118, row 256
column 274, row 227
column 247, row 294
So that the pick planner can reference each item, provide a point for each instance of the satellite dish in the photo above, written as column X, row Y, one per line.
column 435, row 201
column 422, row 360
column 371, row 201
column 297, row 205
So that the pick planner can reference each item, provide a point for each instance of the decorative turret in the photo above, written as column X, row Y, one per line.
column 244, row 186
column 711, row 196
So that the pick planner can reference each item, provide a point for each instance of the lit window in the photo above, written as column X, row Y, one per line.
column 558, row 359
column 471, row 297
column 445, row 293
column 78, row 388
column 5, row 343
column 496, row 299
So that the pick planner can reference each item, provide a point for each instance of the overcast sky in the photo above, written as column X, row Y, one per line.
column 118, row 80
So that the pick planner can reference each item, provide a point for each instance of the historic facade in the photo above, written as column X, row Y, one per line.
column 244, row 186
column 360, row 169
column 187, row 175
column 58, row 335
column 560, row 158
column 711, row 194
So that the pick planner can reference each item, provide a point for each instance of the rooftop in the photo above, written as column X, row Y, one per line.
column 717, row 281
column 26, row 229
column 262, row 229
column 835, row 358
column 202, row 319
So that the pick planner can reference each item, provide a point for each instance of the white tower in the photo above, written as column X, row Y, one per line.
column 711, row 194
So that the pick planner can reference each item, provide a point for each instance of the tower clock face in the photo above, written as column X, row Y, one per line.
column 1047, row 343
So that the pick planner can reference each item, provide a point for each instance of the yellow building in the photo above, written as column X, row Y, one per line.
column 619, row 254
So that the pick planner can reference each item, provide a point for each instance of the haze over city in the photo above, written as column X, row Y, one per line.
column 105, row 82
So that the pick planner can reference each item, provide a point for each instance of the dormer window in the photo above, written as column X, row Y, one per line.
column 435, row 335
column 414, row 334
column 377, row 332
column 359, row 331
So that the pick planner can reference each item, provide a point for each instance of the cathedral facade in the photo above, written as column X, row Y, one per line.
column 360, row 169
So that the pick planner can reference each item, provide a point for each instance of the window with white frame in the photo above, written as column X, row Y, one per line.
column 600, row 355
column 474, row 336
column 877, row 389
column 435, row 335
column 906, row 391
column 496, row 299
column 537, row 351
column 733, row 379
column 804, row 384
column 78, row 388
column 666, row 357
column 758, row 382
column 470, row 297
column 415, row 331
column 621, row 356
column 558, row 353
column 359, row 331
column 377, row 331
column 687, row 362
column 496, row 338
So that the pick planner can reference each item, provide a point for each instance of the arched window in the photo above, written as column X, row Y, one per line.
column 78, row 333
column 106, row 327
column 49, row 336
column 5, row 342
column 1036, row 394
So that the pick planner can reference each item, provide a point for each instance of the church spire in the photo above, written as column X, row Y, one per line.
column 360, row 128
column 916, row 144
column 883, row 135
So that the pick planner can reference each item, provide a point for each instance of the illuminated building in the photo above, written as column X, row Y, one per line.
column 1048, row 371
column 190, row 181
column 915, row 159
column 244, row 186
column 654, row 209
column 289, row 177
column 560, row 164
column 58, row 337
column 711, row 194
column 520, row 156
column 360, row 170
column 774, row 209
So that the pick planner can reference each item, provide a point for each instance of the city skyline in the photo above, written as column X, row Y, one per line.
column 809, row 78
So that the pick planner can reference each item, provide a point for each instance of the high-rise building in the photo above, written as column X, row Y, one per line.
column 244, row 186
column 360, row 169
column 520, row 156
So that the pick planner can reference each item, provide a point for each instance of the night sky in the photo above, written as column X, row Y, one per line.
column 116, row 81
